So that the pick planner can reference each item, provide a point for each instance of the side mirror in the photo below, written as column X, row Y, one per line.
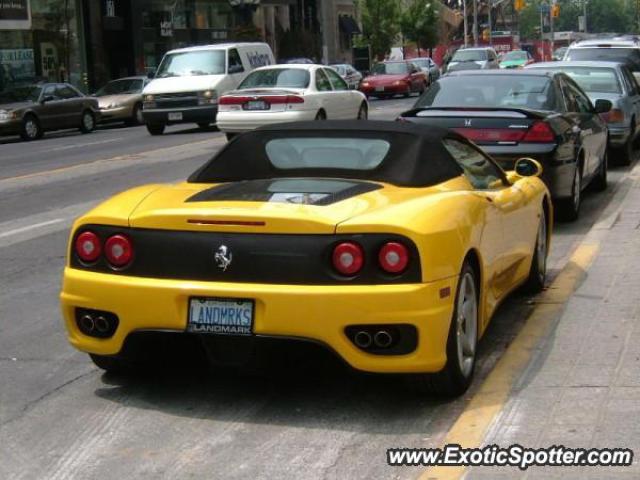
column 603, row 106
column 528, row 167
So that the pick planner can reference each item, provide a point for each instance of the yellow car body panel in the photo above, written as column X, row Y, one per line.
column 446, row 222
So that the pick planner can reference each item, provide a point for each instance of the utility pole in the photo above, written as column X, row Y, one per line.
column 464, row 13
column 551, row 12
column 490, row 24
column 584, row 14
column 475, row 23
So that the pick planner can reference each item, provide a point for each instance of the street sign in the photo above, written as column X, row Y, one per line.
column 544, row 8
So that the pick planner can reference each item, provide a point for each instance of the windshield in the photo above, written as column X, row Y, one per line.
column 184, row 64
column 21, row 94
column 515, row 56
column 621, row 55
column 390, row 69
column 511, row 91
column 469, row 56
column 591, row 79
column 277, row 77
column 341, row 153
column 121, row 87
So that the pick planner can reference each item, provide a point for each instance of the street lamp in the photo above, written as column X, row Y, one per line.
column 245, row 9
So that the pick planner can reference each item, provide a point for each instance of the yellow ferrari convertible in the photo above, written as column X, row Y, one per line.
column 389, row 244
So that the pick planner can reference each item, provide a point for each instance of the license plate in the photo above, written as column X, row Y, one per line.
column 379, row 89
column 224, row 316
column 256, row 105
column 173, row 116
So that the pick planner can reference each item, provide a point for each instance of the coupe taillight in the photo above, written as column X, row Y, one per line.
column 118, row 250
column 393, row 257
column 540, row 132
column 348, row 258
column 88, row 246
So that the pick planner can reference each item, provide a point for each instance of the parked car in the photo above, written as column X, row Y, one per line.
column 388, row 245
column 516, row 59
column 121, row 100
column 428, row 66
column 614, row 82
column 482, row 58
column 611, row 49
column 286, row 93
column 526, row 113
column 348, row 74
column 297, row 60
column 559, row 53
column 31, row 110
column 394, row 78
column 189, row 82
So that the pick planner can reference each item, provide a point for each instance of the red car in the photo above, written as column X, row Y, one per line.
column 394, row 78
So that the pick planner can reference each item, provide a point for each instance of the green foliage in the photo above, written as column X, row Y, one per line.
column 380, row 24
column 419, row 23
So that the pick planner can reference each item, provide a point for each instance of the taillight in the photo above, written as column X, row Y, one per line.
column 118, row 250
column 348, row 258
column 613, row 116
column 540, row 132
column 491, row 135
column 88, row 247
column 393, row 257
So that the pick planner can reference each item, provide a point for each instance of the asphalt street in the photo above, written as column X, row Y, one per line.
column 61, row 417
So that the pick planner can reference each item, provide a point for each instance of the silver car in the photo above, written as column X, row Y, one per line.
column 480, row 58
column 348, row 74
column 428, row 66
column 614, row 82
column 121, row 100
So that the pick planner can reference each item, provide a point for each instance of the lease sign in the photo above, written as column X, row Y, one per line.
column 15, row 14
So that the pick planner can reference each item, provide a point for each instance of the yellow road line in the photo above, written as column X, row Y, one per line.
column 472, row 425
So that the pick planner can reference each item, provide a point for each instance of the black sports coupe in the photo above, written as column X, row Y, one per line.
column 515, row 114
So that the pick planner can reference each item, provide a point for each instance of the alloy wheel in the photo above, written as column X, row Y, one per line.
column 466, row 324
column 541, row 248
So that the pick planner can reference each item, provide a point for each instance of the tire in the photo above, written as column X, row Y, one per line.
column 538, row 270
column 456, row 376
column 624, row 154
column 231, row 136
column 363, row 112
column 87, row 122
column 321, row 115
column 31, row 129
column 109, row 364
column 599, row 183
column 156, row 128
column 569, row 209
column 136, row 117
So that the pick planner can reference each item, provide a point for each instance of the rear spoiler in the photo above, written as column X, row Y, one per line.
column 497, row 112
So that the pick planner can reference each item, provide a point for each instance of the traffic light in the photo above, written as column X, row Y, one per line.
column 485, row 35
column 518, row 5
column 555, row 11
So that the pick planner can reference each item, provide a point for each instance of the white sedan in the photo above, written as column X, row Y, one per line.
column 288, row 93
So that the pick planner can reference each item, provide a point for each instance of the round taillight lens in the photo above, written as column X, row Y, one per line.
column 88, row 247
column 348, row 258
column 393, row 257
column 118, row 250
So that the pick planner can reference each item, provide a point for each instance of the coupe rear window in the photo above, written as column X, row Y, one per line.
column 335, row 153
column 277, row 77
column 390, row 69
column 469, row 56
column 515, row 55
column 510, row 91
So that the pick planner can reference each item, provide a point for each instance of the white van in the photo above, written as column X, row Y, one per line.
column 189, row 81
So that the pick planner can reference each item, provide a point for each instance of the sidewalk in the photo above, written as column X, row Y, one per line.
column 581, row 388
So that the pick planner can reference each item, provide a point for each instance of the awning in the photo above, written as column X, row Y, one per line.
column 348, row 25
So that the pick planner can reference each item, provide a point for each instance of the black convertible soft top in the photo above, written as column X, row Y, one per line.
column 416, row 157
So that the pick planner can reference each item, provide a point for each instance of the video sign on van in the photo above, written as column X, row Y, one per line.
column 15, row 14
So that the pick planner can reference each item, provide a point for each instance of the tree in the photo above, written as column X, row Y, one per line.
column 419, row 23
column 380, row 24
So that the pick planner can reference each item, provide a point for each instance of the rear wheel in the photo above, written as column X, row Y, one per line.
column 538, row 270
column 31, row 129
column 109, row 364
column 230, row 136
column 456, row 376
column 136, row 116
column 570, row 208
column 363, row 112
column 155, row 128
column 88, row 122
column 599, row 183
column 624, row 154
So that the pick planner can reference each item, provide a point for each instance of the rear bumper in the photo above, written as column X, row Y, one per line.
column 202, row 114
column 387, row 90
column 557, row 172
column 237, row 122
column 316, row 313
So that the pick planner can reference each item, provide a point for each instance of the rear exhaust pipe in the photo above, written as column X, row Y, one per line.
column 87, row 323
column 101, row 324
column 362, row 339
column 383, row 339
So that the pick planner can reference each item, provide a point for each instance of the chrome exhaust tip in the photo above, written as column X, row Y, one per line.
column 383, row 339
column 87, row 323
column 362, row 339
column 101, row 324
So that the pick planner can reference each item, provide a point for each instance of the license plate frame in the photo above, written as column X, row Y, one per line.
column 214, row 321
column 256, row 105
column 379, row 89
column 174, row 116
